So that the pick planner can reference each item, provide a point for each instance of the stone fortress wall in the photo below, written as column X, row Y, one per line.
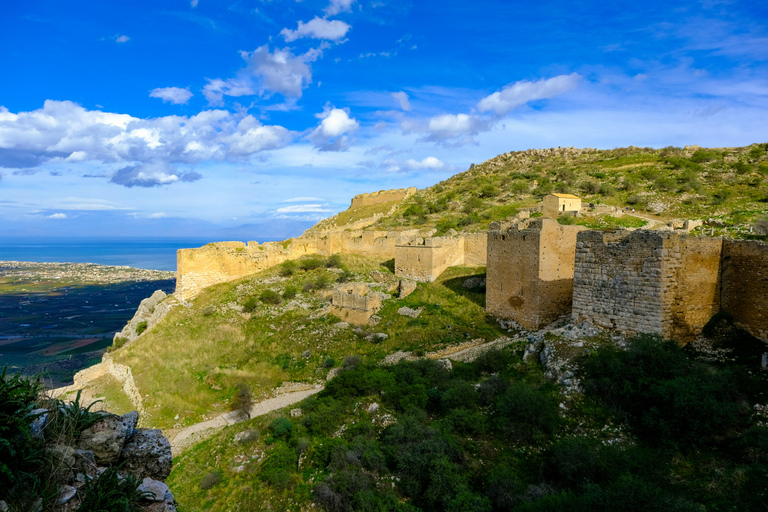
column 631, row 281
column 530, row 272
column 382, row 196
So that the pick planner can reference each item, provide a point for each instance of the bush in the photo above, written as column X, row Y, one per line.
column 277, row 470
column 270, row 297
column 141, row 327
column 666, row 183
column 329, row 363
column 281, row 427
column 311, row 263
column 112, row 492
column 472, row 204
column 520, row 187
column 210, row 480
column 590, row 187
column 742, row 167
column 118, row 342
column 287, row 268
column 488, row 190
column 607, row 190
column 249, row 304
column 290, row 292
column 526, row 413
column 333, row 261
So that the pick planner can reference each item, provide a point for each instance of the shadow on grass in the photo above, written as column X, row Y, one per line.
column 475, row 294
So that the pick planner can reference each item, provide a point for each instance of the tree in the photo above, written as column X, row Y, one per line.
column 243, row 400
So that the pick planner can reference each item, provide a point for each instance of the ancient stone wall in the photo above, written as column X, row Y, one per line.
column 224, row 261
column 382, row 196
column 647, row 281
column 356, row 302
column 530, row 272
column 475, row 249
column 424, row 259
column 745, row 285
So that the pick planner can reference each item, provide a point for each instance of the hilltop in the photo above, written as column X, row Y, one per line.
column 432, row 404
column 725, row 186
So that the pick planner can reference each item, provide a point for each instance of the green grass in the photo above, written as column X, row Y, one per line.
column 190, row 364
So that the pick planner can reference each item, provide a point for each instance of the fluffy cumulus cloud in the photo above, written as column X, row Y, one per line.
column 519, row 93
column 175, row 95
column 122, row 39
column 332, row 132
column 337, row 6
column 317, row 28
column 402, row 100
column 281, row 71
column 66, row 132
column 430, row 163
column 457, row 127
column 151, row 174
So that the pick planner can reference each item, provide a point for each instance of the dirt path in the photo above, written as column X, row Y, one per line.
column 190, row 436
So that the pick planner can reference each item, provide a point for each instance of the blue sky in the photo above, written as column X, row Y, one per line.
column 197, row 116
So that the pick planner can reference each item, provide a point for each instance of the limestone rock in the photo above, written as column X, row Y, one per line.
column 160, row 506
column 473, row 282
column 39, row 422
column 445, row 363
column 66, row 493
column 406, row 311
column 147, row 453
column 373, row 407
column 246, row 436
column 378, row 276
column 105, row 439
column 377, row 337
column 295, row 413
column 406, row 287
column 130, row 420
column 150, row 310
column 158, row 490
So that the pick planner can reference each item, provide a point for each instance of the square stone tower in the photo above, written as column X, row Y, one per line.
column 530, row 272
column 647, row 281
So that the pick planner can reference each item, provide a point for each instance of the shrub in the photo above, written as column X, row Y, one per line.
column 329, row 363
column 270, row 297
column 488, row 190
column 310, row 263
column 249, row 304
column 278, row 468
column 701, row 156
column 141, row 327
column 118, row 342
column 526, row 413
column 281, row 427
column 111, row 491
column 742, row 167
column 666, row 183
column 290, row 292
column 590, row 187
column 333, row 261
column 472, row 204
column 756, row 152
column 321, row 282
column 242, row 400
column 721, row 195
column 607, row 190
column 210, row 480
column 520, row 187
column 208, row 311
column 287, row 268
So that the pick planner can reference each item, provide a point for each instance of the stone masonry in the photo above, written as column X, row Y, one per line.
column 745, row 285
column 530, row 272
column 356, row 302
column 646, row 281
column 382, row 196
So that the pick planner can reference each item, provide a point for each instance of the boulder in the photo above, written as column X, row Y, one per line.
column 406, row 311
column 159, row 490
column 147, row 454
column 406, row 287
column 66, row 493
column 39, row 422
column 378, row 276
column 105, row 439
column 246, row 436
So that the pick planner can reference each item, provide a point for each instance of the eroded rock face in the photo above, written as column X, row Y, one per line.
column 106, row 438
column 147, row 453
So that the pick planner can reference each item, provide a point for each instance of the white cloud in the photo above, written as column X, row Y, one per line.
column 402, row 100
column 152, row 174
column 215, row 90
column 281, row 71
column 317, row 28
column 58, row 216
column 158, row 215
column 175, row 95
column 337, row 6
column 429, row 163
column 330, row 135
column 450, row 126
column 304, row 208
column 62, row 129
column 122, row 39
column 519, row 93
column 193, row 3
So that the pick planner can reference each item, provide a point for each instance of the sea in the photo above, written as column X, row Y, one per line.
column 153, row 254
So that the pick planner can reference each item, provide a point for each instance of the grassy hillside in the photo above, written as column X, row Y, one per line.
column 726, row 185
column 269, row 329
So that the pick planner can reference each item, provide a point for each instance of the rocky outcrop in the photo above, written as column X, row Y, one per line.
column 150, row 312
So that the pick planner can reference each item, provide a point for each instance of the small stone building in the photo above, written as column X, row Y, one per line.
column 356, row 303
column 530, row 272
column 657, row 282
column 424, row 259
column 556, row 204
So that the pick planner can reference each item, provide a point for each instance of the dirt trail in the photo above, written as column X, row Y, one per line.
column 189, row 436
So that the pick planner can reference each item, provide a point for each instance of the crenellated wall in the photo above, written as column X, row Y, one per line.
column 530, row 272
column 424, row 259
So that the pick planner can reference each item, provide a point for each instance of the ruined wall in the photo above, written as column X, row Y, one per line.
column 646, row 281
column 745, row 285
column 424, row 259
column 225, row 261
column 530, row 272
column 356, row 302
column 382, row 196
